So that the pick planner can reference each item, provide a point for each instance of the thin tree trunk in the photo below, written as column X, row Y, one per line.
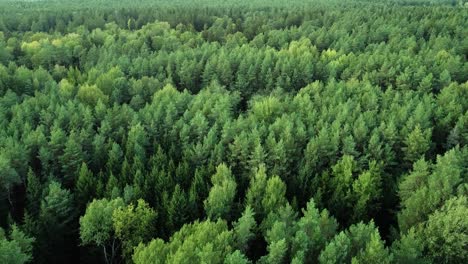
column 105, row 254
column 9, row 198
column 113, row 249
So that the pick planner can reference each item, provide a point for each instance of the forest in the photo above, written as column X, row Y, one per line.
column 234, row 132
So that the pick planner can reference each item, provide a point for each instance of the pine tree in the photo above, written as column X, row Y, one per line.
column 244, row 229
column 17, row 248
column 176, row 209
column 33, row 193
column 56, row 215
column 445, row 232
column 256, row 192
column 85, row 185
column 71, row 160
column 314, row 230
column 221, row 197
column 417, row 144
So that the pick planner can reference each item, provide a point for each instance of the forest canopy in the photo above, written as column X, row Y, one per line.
column 233, row 131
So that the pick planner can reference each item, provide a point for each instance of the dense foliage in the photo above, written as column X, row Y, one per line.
column 233, row 131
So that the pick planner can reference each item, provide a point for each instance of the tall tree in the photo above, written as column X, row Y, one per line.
column 244, row 229
column 16, row 248
column 221, row 197
column 85, row 185
column 96, row 227
column 134, row 225
column 56, row 216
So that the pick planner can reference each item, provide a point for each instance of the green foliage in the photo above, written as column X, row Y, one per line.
column 133, row 225
column 375, row 252
column 90, row 95
column 274, row 196
column 425, row 190
column 9, row 177
column 57, row 206
column 446, row 234
column 15, row 248
column 55, row 221
column 207, row 241
column 205, row 126
column 360, row 244
column 417, row 144
column 85, row 184
column 244, row 229
column 276, row 252
column 33, row 192
column 256, row 192
column 408, row 249
column 236, row 258
column 96, row 225
column 367, row 191
column 354, row 192
column 337, row 250
column 221, row 196
column 314, row 230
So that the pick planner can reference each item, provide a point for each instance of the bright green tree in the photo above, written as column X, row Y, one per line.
column 314, row 230
column 244, row 229
column 445, row 233
column 85, row 185
column 133, row 225
column 96, row 226
column 221, row 197
column 15, row 248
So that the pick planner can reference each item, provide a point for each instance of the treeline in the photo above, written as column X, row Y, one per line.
column 157, row 133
